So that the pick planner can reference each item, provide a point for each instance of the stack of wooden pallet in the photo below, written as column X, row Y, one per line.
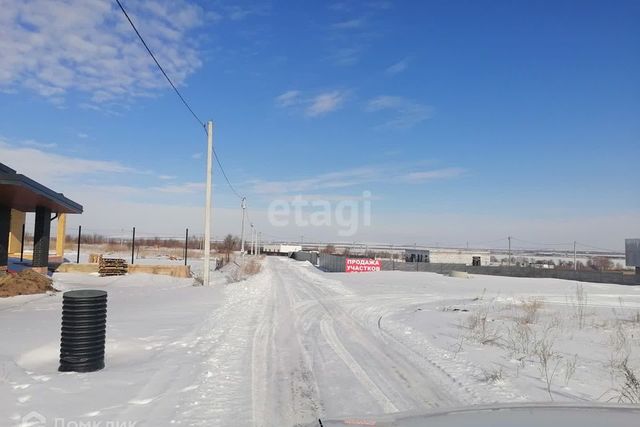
column 112, row 267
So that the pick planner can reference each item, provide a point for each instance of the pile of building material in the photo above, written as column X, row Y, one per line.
column 26, row 282
column 95, row 258
column 112, row 267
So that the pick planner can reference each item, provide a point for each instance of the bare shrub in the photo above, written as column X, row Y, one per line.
column 229, row 244
column 530, row 310
column 246, row 268
column 600, row 263
column 480, row 327
column 548, row 359
column 329, row 249
column 252, row 267
column 570, row 368
column 630, row 389
column 115, row 247
column 518, row 340
column 620, row 342
column 457, row 348
column 492, row 375
column 635, row 318
column 580, row 305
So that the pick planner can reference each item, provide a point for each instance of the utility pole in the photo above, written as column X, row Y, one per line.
column 259, row 240
column 207, row 209
column 575, row 264
column 255, row 241
column 251, row 247
column 244, row 208
column 133, row 245
column 509, row 250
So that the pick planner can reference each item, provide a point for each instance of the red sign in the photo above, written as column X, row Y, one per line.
column 360, row 265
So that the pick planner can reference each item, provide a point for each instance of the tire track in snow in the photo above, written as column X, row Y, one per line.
column 260, row 355
column 332, row 339
column 410, row 381
column 283, row 387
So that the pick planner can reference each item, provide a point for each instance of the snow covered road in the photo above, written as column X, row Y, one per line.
column 296, row 350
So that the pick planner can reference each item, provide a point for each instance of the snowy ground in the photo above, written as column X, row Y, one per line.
column 292, row 344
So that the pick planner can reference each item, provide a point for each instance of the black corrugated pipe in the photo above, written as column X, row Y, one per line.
column 84, row 320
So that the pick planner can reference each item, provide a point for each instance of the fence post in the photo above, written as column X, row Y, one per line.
column 186, row 245
column 133, row 244
column 22, row 244
column 79, row 237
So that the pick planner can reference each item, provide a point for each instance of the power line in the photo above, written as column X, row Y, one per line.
column 597, row 248
column 225, row 175
column 186, row 104
column 540, row 244
column 486, row 242
column 159, row 66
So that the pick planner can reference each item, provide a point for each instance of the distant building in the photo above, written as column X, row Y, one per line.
column 280, row 249
column 448, row 256
column 416, row 255
column 632, row 253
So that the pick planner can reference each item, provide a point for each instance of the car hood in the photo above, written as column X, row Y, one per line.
column 506, row 415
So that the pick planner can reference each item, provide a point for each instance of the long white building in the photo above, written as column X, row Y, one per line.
column 449, row 256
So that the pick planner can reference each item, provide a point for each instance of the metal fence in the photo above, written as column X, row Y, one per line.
column 332, row 263
column 577, row 275
column 336, row 264
column 312, row 257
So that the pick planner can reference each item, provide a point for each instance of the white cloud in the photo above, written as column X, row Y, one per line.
column 196, row 156
column 349, row 24
column 325, row 103
column 288, row 98
column 185, row 188
column 407, row 113
column 346, row 56
column 36, row 144
column 312, row 106
column 109, row 201
column 52, row 48
column 166, row 177
column 51, row 167
column 238, row 13
column 334, row 180
column 354, row 177
column 398, row 67
column 82, row 135
column 416, row 177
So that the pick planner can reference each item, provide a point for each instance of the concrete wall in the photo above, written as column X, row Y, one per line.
column 183, row 271
column 580, row 275
column 458, row 257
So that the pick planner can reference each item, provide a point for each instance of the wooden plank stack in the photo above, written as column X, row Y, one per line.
column 95, row 258
column 112, row 267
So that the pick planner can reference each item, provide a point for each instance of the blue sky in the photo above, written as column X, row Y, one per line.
column 467, row 120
